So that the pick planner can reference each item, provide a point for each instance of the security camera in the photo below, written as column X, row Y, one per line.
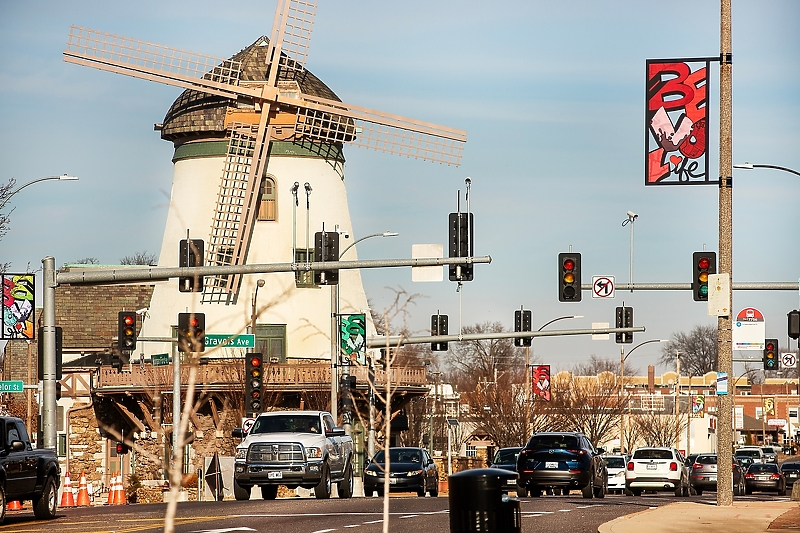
column 632, row 214
column 346, row 235
column 142, row 311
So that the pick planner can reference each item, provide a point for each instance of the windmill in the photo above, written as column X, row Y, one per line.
column 261, row 111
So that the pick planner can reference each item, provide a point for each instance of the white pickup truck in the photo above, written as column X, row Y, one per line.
column 293, row 448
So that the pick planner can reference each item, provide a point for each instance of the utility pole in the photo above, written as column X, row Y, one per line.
column 724, row 323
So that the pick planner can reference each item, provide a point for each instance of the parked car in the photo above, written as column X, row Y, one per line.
column 563, row 461
column 749, row 455
column 703, row 474
column 657, row 469
column 615, row 465
column 791, row 472
column 765, row 477
column 506, row 459
column 690, row 459
column 410, row 470
column 770, row 455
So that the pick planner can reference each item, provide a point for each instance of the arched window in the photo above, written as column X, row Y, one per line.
column 267, row 207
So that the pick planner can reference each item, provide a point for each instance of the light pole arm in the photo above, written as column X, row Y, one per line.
column 750, row 166
column 63, row 177
column 383, row 234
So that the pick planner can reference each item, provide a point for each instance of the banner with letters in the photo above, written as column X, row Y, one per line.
column 676, row 122
column 353, row 335
column 18, row 307
column 541, row 382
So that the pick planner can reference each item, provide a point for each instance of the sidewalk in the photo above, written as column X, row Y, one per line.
column 689, row 517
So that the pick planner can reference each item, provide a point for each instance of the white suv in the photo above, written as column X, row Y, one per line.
column 657, row 469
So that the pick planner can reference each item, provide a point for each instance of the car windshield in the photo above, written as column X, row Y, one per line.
column 615, row 462
column 706, row 459
column 506, row 457
column 286, row 424
column 758, row 468
column 768, row 450
column 748, row 453
column 560, row 442
column 399, row 455
column 652, row 454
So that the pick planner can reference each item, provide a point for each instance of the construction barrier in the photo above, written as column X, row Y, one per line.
column 83, row 493
column 67, row 498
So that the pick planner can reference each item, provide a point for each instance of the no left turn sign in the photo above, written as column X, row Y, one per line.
column 788, row 360
column 602, row 286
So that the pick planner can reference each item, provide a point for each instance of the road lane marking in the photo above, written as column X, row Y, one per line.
column 323, row 531
column 408, row 516
column 374, row 522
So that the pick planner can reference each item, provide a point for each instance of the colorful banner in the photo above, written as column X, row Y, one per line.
column 18, row 307
column 541, row 382
column 676, row 122
column 353, row 334
column 698, row 405
column 769, row 407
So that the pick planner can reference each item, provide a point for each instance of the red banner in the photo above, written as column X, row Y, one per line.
column 541, row 382
column 676, row 122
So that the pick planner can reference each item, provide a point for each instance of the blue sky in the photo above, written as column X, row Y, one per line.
column 550, row 93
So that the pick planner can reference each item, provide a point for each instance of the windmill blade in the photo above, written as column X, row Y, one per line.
column 155, row 62
column 332, row 121
column 289, row 39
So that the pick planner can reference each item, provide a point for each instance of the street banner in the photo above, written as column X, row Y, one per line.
column 769, row 407
column 353, row 333
column 541, row 382
column 698, row 405
column 18, row 307
column 676, row 121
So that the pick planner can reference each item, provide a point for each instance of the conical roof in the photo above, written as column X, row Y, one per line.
column 199, row 115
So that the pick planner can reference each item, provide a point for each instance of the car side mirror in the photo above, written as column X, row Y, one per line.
column 237, row 433
column 601, row 451
column 335, row 432
column 17, row 446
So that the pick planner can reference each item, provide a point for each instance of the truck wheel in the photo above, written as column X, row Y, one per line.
column 346, row 485
column 239, row 492
column 2, row 504
column 323, row 489
column 269, row 492
column 44, row 507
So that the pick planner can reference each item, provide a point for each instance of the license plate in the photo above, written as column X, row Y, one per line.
column 392, row 481
column 652, row 467
column 274, row 475
column 762, row 478
column 549, row 464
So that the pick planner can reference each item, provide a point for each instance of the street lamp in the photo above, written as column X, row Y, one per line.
column 528, row 372
column 622, row 359
column 254, row 311
column 630, row 220
column 335, row 342
column 15, row 191
column 751, row 166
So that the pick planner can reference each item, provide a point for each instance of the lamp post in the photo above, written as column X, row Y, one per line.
column 630, row 221
column 335, row 348
column 254, row 311
column 622, row 359
column 15, row 191
column 751, row 166
column 528, row 372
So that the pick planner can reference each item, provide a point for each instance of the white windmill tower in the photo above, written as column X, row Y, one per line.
column 254, row 135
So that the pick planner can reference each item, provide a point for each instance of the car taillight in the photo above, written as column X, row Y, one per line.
column 750, row 476
column 578, row 452
column 630, row 465
column 673, row 466
column 696, row 466
column 774, row 476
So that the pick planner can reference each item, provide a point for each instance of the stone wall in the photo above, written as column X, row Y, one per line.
column 86, row 446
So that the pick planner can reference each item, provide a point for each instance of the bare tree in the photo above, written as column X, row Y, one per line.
column 658, row 429
column 139, row 258
column 87, row 261
column 589, row 405
column 597, row 365
column 698, row 350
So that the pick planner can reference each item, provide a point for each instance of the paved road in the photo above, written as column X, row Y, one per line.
column 554, row 514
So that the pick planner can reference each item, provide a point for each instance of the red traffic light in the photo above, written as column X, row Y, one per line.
column 770, row 347
column 703, row 263
column 255, row 361
column 569, row 264
column 129, row 321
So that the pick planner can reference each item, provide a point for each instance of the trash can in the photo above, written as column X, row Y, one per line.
column 477, row 502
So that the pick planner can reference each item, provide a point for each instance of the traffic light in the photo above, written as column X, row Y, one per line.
column 191, row 332
column 703, row 264
column 254, row 383
column 116, row 363
column 122, row 448
column 126, row 330
column 460, row 244
column 438, row 327
column 59, row 352
column 771, row 354
column 326, row 248
column 624, row 319
column 569, row 277
column 190, row 254
column 794, row 324
column 522, row 322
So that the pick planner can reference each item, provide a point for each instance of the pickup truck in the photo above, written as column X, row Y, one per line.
column 26, row 473
column 296, row 449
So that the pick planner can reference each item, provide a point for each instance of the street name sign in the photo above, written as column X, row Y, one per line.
column 230, row 340
column 159, row 359
column 11, row 386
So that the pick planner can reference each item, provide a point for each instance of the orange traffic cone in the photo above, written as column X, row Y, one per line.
column 14, row 506
column 112, row 485
column 83, row 492
column 67, row 498
column 121, row 499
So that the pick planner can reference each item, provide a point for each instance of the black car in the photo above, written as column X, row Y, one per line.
column 506, row 459
column 765, row 477
column 564, row 461
column 791, row 471
column 410, row 470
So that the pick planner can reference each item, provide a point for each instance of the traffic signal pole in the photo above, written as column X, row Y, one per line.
column 52, row 279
